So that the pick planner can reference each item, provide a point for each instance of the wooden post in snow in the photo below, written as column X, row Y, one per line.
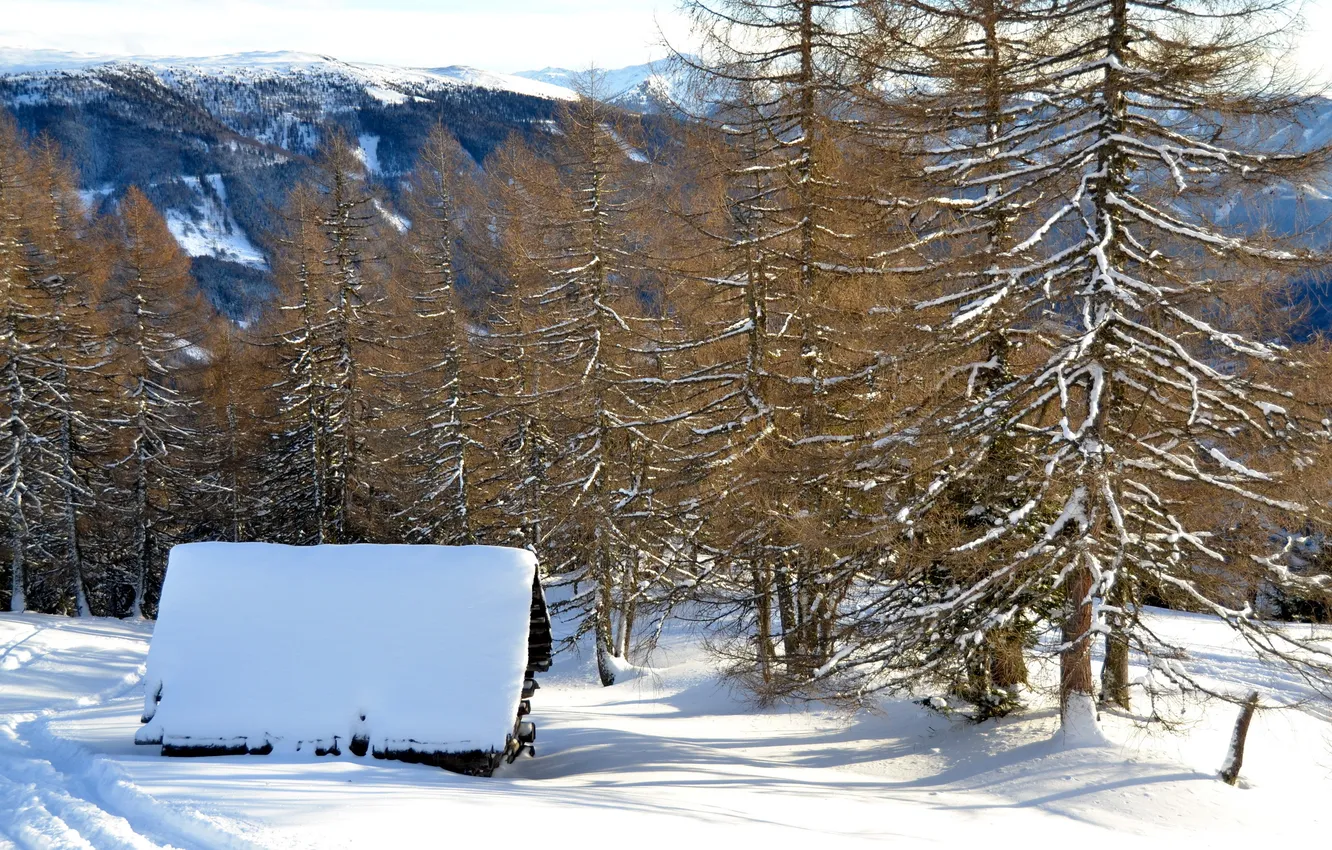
column 1235, row 758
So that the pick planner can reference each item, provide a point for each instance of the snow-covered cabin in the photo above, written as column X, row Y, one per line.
column 419, row 653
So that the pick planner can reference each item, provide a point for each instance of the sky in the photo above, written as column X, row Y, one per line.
column 1315, row 43
column 497, row 35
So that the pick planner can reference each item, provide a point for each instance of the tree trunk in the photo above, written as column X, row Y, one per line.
column 1115, row 672
column 14, row 485
column 1235, row 758
column 629, row 606
column 605, row 672
column 994, row 674
column 18, row 599
column 140, row 541
column 1077, row 707
column 763, row 620
column 601, row 616
column 1008, row 662
column 786, row 611
column 73, row 551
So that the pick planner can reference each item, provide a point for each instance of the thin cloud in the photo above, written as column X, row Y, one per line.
column 501, row 36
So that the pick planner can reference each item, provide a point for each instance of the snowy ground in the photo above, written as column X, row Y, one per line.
column 657, row 761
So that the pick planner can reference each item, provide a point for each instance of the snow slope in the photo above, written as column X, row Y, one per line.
column 668, row 758
column 208, row 229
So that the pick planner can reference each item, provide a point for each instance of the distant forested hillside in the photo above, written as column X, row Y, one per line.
column 218, row 149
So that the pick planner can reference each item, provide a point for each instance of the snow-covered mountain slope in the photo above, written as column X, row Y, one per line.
column 640, row 88
column 506, row 82
column 387, row 82
column 669, row 756
column 275, row 99
column 253, row 121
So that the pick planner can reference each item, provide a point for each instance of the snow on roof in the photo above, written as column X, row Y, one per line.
column 260, row 643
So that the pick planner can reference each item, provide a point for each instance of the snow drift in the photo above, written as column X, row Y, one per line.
column 409, row 651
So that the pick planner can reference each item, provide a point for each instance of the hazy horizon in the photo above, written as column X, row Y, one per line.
column 527, row 34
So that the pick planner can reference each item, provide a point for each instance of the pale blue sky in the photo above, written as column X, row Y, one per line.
column 498, row 35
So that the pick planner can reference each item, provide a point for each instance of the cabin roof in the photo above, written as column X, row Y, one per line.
column 420, row 648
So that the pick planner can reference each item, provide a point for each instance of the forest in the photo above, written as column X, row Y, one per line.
column 926, row 341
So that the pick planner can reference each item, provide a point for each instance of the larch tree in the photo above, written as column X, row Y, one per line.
column 955, row 83
column 584, row 254
column 510, row 363
column 156, row 316
column 18, row 439
column 294, row 465
column 44, row 320
column 808, row 194
column 65, row 265
column 232, row 410
column 720, row 388
column 576, row 244
column 1131, row 406
column 442, row 443
column 326, row 339
column 347, row 221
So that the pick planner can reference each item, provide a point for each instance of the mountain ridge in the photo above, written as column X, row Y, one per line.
column 259, row 65
column 648, row 87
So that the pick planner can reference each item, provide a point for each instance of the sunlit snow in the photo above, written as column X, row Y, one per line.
column 670, row 758
column 368, row 152
column 208, row 229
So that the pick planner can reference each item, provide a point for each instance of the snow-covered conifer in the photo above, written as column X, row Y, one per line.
column 63, row 263
column 327, row 339
column 442, row 446
column 577, row 245
column 1133, row 409
column 293, row 491
column 17, row 362
column 233, row 404
column 799, row 362
column 156, row 314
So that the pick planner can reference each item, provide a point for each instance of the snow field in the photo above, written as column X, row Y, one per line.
column 57, row 792
column 669, row 756
column 367, row 151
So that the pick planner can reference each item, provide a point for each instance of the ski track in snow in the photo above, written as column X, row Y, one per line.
column 59, row 795
column 15, row 655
